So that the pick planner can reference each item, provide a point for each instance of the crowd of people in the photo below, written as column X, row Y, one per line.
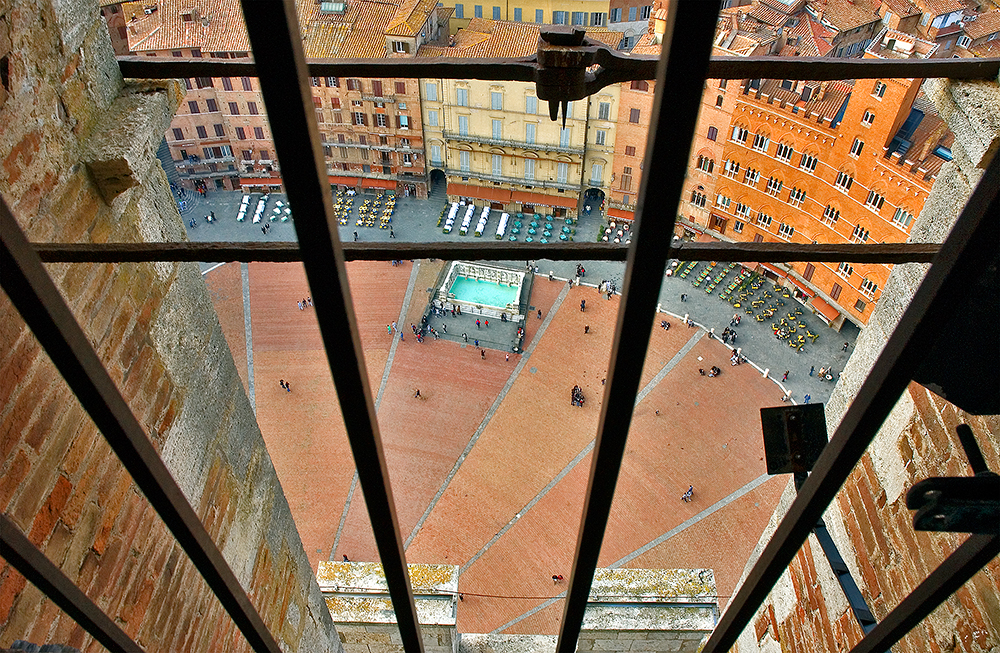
column 577, row 398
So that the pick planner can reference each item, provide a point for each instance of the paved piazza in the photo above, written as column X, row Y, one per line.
column 490, row 467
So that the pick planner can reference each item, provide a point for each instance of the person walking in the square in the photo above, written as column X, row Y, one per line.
column 539, row 314
column 586, row 329
column 846, row 345
column 288, row 386
column 684, row 297
column 281, row 382
column 583, row 305
column 784, row 377
column 478, row 324
column 391, row 233
column 487, row 324
column 355, row 236
column 807, row 399
column 416, row 395
column 812, row 368
column 476, row 343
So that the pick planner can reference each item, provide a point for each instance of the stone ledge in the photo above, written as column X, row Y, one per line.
column 124, row 142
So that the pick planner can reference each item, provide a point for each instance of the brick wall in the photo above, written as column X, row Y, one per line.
column 869, row 521
column 68, row 118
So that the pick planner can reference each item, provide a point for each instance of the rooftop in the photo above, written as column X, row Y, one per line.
column 893, row 44
column 217, row 26
column 845, row 14
column 982, row 25
column 501, row 38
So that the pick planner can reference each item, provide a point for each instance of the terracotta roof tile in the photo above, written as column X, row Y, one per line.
column 813, row 39
column 987, row 49
column 410, row 17
column 983, row 25
column 358, row 33
column 500, row 38
column 846, row 14
column 902, row 8
column 939, row 7
column 769, row 15
column 220, row 27
column 826, row 104
column 646, row 45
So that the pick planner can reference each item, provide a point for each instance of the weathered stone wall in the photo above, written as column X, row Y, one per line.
column 869, row 521
column 384, row 638
column 77, row 149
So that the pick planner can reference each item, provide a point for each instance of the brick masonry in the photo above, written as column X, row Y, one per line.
column 869, row 521
column 154, row 327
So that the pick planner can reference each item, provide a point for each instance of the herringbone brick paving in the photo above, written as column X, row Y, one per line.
column 707, row 434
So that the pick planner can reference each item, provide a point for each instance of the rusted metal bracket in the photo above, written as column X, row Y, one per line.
column 571, row 66
column 963, row 504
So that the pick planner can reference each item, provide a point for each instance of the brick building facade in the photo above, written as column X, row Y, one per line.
column 869, row 520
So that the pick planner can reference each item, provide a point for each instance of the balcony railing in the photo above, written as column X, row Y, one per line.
column 504, row 142
column 537, row 183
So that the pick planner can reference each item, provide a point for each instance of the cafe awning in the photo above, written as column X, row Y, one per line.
column 544, row 200
column 488, row 193
column 378, row 183
column 343, row 181
column 824, row 309
column 622, row 213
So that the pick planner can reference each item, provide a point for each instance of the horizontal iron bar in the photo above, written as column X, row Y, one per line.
column 499, row 251
column 44, row 310
column 956, row 569
column 523, row 69
column 969, row 249
column 24, row 556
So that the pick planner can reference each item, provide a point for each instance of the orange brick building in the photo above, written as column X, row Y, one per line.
column 830, row 162
column 800, row 161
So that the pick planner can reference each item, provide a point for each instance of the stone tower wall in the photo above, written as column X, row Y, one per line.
column 77, row 149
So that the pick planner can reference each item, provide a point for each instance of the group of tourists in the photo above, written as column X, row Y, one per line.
column 576, row 397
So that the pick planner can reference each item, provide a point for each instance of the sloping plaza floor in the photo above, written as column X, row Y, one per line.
column 490, row 466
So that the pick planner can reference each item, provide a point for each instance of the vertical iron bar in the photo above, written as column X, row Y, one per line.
column 44, row 310
column 276, row 40
column 972, row 450
column 969, row 248
column 680, row 77
column 956, row 569
column 46, row 576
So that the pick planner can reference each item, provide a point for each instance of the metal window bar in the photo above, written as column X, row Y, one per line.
column 276, row 41
column 525, row 70
column 672, row 130
column 24, row 556
column 950, row 575
column 762, row 252
column 968, row 249
column 44, row 310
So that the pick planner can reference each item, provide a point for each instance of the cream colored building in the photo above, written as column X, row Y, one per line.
column 495, row 142
column 586, row 13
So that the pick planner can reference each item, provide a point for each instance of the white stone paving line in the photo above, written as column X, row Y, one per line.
column 248, row 330
column 378, row 397
column 688, row 346
column 486, row 419
column 715, row 507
